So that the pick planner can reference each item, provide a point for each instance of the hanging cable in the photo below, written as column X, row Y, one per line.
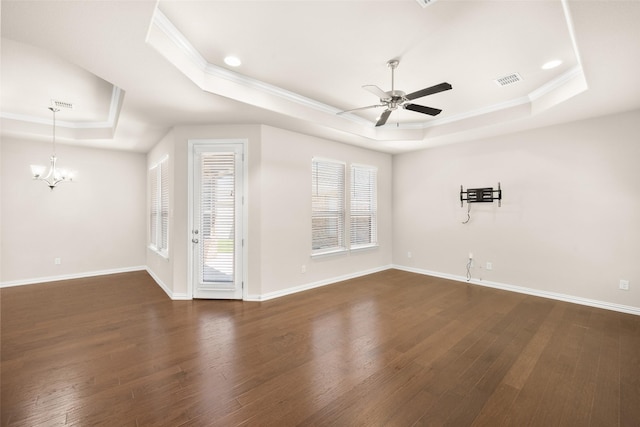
column 468, row 213
column 469, row 269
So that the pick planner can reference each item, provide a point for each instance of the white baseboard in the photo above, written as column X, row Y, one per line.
column 295, row 289
column 174, row 296
column 35, row 280
column 529, row 291
column 308, row 286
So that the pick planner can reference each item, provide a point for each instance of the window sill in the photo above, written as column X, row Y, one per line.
column 164, row 254
column 328, row 252
column 364, row 247
column 344, row 250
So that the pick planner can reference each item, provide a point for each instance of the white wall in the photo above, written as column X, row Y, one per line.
column 96, row 224
column 159, row 266
column 173, row 272
column 286, row 211
column 570, row 216
column 279, row 210
column 569, row 223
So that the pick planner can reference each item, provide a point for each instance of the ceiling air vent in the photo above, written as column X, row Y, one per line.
column 61, row 104
column 508, row 79
column 425, row 3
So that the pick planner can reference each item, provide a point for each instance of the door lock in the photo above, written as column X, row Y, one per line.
column 194, row 240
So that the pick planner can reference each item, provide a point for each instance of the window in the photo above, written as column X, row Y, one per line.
column 159, row 210
column 327, row 206
column 364, row 211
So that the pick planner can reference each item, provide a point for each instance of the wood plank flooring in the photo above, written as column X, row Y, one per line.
column 389, row 349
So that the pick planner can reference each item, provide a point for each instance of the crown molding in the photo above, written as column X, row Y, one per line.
column 163, row 23
column 557, row 90
column 117, row 96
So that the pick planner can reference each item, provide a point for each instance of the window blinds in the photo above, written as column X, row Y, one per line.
column 327, row 206
column 159, row 207
column 164, row 205
column 363, row 209
column 153, row 220
column 217, row 210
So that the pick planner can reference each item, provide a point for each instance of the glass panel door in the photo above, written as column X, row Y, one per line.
column 217, row 236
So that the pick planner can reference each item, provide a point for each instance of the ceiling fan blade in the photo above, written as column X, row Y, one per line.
column 422, row 109
column 376, row 91
column 429, row 91
column 362, row 108
column 383, row 118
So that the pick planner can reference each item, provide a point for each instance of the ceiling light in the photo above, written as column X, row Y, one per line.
column 232, row 61
column 551, row 64
column 54, row 176
column 425, row 3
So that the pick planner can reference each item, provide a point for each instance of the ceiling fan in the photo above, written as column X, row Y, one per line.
column 397, row 98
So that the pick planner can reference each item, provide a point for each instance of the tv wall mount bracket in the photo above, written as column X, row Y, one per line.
column 481, row 195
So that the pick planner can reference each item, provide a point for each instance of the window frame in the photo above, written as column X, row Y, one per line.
column 159, row 207
column 338, row 213
column 372, row 201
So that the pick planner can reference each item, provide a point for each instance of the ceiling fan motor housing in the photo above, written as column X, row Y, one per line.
column 396, row 98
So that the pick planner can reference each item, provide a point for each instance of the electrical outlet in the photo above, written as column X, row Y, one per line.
column 409, row 254
column 489, row 266
column 624, row 285
column 57, row 261
column 303, row 269
column 470, row 255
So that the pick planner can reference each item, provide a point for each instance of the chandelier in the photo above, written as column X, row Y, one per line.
column 54, row 176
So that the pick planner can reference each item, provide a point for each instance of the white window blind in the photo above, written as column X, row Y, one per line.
column 327, row 206
column 217, row 210
column 364, row 208
column 164, row 205
column 153, row 220
column 159, row 207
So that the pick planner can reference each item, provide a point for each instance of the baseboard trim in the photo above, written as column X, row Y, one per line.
column 529, row 291
column 36, row 280
column 165, row 288
column 295, row 289
column 313, row 285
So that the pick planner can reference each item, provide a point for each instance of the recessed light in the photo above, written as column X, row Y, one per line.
column 551, row 64
column 425, row 3
column 232, row 61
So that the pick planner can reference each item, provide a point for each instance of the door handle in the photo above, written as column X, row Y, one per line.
column 194, row 240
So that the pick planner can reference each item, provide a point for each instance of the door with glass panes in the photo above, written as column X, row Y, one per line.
column 216, row 235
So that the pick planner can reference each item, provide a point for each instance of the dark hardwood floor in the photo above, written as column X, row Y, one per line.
column 389, row 349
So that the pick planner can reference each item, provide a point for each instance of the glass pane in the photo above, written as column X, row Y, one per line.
column 217, row 209
column 327, row 205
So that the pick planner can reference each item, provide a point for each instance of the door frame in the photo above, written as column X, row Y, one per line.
column 191, row 255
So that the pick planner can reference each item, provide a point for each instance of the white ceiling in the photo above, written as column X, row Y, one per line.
column 134, row 69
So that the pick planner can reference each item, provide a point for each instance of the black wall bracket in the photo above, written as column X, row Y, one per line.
column 481, row 195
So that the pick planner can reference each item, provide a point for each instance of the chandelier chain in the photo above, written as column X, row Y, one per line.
column 54, row 110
